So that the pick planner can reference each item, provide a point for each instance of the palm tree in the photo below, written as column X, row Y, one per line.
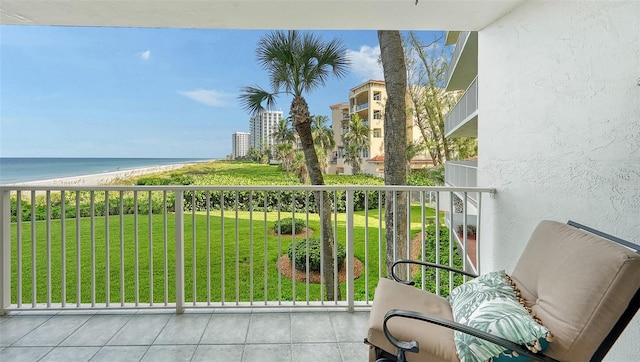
column 298, row 63
column 323, row 139
column 285, row 154
column 282, row 133
column 352, row 157
column 300, row 167
column 284, row 139
column 254, row 154
column 356, row 140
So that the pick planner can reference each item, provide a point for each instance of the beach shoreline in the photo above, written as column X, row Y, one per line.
column 104, row 178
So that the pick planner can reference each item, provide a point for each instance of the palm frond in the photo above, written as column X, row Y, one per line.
column 300, row 62
column 321, row 60
column 275, row 53
column 251, row 99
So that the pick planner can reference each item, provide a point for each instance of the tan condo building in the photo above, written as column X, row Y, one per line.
column 368, row 101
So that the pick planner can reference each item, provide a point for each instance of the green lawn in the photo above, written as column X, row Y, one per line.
column 247, row 269
column 240, row 252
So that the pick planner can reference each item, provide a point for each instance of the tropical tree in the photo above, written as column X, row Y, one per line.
column 427, row 66
column 284, row 138
column 298, row 63
column 323, row 139
column 352, row 156
column 282, row 132
column 257, row 155
column 285, row 154
column 395, row 145
column 299, row 166
column 356, row 140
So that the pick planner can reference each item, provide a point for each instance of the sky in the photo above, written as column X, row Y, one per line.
column 144, row 92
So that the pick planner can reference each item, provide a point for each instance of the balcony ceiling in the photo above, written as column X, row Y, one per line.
column 259, row 14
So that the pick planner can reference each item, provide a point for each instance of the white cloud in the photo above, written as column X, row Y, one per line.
column 364, row 62
column 208, row 97
column 145, row 55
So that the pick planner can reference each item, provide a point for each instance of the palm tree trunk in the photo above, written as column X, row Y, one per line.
column 395, row 145
column 302, row 123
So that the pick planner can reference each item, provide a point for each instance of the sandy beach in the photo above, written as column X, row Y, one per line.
column 102, row 178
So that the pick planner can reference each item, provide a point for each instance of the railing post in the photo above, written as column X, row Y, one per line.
column 5, row 251
column 350, row 252
column 179, row 226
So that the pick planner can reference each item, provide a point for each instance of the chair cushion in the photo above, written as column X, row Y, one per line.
column 489, row 303
column 435, row 342
column 578, row 284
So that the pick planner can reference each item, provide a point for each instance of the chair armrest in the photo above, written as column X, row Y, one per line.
column 412, row 346
column 424, row 263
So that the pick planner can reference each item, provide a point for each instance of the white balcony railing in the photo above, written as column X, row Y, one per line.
column 462, row 39
column 461, row 173
column 464, row 111
column 142, row 247
column 360, row 107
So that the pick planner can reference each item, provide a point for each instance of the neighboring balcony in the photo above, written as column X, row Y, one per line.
column 461, row 173
column 462, row 120
column 466, row 207
column 463, row 67
column 360, row 107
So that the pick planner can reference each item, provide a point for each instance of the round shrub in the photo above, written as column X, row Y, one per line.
column 288, row 226
column 314, row 254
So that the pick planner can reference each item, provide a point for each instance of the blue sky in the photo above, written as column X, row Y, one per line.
column 125, row 92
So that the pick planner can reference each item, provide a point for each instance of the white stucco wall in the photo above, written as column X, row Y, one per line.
column 559, row 126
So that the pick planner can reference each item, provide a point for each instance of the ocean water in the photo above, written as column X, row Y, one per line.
column 22, row 169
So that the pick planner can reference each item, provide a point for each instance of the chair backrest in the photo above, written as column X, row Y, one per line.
column 584, row 287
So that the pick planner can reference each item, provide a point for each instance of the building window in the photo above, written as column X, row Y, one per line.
column 365, row 153
column 377, row 133
column 376, row 96
column 377, row 115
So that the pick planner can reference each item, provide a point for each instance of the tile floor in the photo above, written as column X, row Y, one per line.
column 213, row 335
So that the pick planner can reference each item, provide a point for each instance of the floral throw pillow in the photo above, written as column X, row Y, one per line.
column 489, row 303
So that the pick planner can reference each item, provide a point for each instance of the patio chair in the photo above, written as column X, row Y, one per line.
column 581, row 284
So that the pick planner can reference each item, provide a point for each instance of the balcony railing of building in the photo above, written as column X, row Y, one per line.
column 461, row 173
column 462, row 39
column 146, row 247
column 360, row 107
column 465, row 110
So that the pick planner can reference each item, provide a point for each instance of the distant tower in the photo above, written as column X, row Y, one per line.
column 240, row 144
column 261, row 129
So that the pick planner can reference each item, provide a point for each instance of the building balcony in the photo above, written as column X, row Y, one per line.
column 160, row 247
column 461, row 173
column 462, row 120
column 359, row 107
column 463, row 67
column 168, row 271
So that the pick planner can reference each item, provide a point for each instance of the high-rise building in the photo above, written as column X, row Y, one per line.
column 240, row 144
column 261, row 129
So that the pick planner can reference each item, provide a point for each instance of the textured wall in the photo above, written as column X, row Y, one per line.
column 559, row 126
